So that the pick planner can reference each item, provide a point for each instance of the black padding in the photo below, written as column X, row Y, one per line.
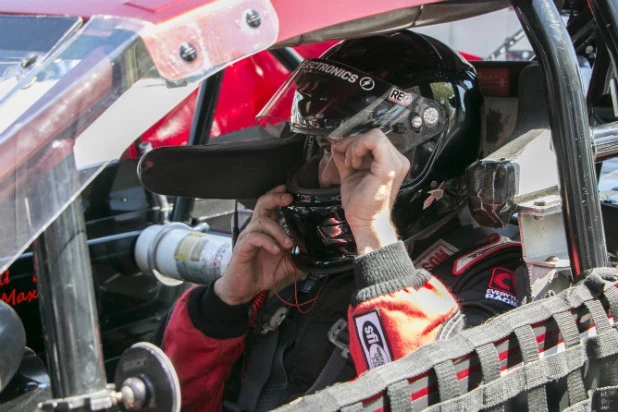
column 532, row 112
column 230, row 170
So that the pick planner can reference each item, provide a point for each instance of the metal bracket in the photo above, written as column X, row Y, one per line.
column 334, row 336
column 545, row 250
column 275, row 320
column 95, row 401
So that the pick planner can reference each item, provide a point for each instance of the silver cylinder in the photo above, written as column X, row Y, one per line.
column 175, row 253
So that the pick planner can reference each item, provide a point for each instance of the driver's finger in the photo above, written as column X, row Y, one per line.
column 268, row 226
column 249, row 245
column 268, row 203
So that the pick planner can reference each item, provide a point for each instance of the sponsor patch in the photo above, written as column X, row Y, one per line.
column 371, row 337
column 495, row 242
column 436, row 254
column 333, row 70
column 400, row 97
column 367, row 83
column 502, row 286
column 494, row 82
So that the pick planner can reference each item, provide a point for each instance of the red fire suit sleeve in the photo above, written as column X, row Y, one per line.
column 203, row 339
column 397, row 308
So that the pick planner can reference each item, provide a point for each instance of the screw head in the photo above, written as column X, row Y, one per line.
column 253, row 18
column 188, row 52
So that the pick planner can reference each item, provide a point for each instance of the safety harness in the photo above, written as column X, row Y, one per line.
column 265, row 384
column 556, row 353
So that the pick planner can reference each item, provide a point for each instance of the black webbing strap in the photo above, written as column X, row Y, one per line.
column 537, row 397
column 258, row 370
column 330, row 372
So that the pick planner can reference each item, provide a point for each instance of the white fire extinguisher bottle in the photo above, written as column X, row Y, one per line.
column 174, row 253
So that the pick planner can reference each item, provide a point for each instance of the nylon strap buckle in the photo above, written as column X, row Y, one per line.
column 338, row 336
column 275, row 320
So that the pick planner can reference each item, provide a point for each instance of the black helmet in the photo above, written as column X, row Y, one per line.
column 424, row 96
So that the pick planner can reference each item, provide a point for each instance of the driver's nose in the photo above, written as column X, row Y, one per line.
column 328, row 175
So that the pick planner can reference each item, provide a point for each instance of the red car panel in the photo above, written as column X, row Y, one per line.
column 246, row 87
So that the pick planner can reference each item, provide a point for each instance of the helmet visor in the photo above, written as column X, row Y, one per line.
column 333, row 100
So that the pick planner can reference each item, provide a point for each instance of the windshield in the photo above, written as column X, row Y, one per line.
column 73, row 96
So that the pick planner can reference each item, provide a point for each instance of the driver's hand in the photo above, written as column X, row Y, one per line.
column 258, row 259
column 371, row 170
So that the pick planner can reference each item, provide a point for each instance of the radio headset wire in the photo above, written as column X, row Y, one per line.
column 296, row 304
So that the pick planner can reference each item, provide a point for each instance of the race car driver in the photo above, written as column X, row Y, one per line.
column 390, row 122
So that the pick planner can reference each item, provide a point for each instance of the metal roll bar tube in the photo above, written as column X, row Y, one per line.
column 68, row 310
column 571, row 134
column 605, row 13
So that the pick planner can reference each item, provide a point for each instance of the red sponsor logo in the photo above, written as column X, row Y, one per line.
column 494, row 82
column 15, row 297
column 503, row 280
column 436, row 254
column 4, row 278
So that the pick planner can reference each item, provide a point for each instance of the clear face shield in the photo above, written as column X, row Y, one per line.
column 331, row 101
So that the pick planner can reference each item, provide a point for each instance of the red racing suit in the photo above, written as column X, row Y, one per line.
column 396, row 309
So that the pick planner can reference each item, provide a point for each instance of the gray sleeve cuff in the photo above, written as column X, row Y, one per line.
column 384, row 271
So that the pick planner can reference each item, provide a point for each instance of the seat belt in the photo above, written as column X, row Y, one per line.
column 260, row 366
column 258, row 370
column 338, row 336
